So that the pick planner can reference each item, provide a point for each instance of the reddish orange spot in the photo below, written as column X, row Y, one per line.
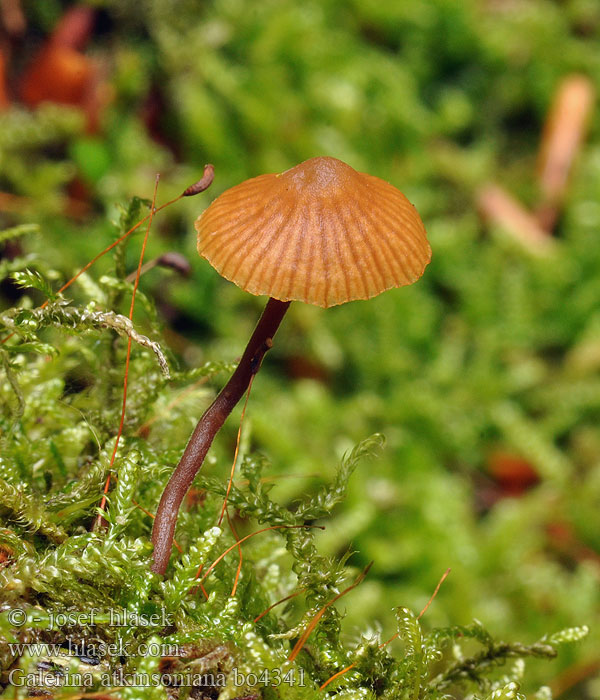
column 513, row 473
column 61, row 73
column 4, row 100
column 195, row 498
column 563, row 538
column 57, row 74
column 6, row 554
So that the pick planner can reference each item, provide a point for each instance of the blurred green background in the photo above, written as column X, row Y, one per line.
column 484, row 376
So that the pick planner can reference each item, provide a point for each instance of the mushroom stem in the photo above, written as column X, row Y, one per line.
column 208, row 426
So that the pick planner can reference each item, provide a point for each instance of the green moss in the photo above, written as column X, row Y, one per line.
column 494, row 351
column 56, row 440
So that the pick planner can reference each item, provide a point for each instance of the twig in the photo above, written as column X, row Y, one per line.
column 99, row 518
column 203, row 183
column 236, row 452
column 172, row 260
column 564, row 132
column 573, row 675
column 252, row 534
column 313, row 623
column 500, row 208
column 279, row 602
column 391, row 639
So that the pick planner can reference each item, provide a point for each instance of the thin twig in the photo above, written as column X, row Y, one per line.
column 502, row 209
column 564, row 132
column 279, row 602
column 313, row 623
column 235, row 454
column 99, row 519
column 394, row 636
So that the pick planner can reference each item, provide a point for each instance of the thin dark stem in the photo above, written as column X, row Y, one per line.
column 208, row 426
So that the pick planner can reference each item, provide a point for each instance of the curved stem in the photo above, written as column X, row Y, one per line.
column 208, row 426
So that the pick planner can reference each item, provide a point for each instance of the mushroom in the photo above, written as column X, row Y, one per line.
column 321, row 233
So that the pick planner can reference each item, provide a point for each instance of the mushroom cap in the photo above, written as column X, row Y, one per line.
column 320, row 232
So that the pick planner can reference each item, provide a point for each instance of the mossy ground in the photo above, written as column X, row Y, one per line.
column 490, row 360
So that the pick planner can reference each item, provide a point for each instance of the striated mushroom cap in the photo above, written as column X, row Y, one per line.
column 320, row 232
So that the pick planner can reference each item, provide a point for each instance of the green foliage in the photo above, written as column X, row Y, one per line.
column 53, row 468
column 11, row 234
column 53, row 565
column 25, row 167
column 28, row 513
column 29, row 278
column 495, row 351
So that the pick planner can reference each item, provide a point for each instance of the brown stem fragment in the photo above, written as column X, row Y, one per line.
column 203, row 183
column 564, row 132
column 208, row 426
column 502, row 209
column 171, row 259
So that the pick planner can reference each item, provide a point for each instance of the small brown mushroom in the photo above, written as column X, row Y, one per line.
column 320, row 232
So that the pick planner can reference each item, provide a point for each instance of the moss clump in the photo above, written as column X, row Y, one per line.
column 80, row 607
